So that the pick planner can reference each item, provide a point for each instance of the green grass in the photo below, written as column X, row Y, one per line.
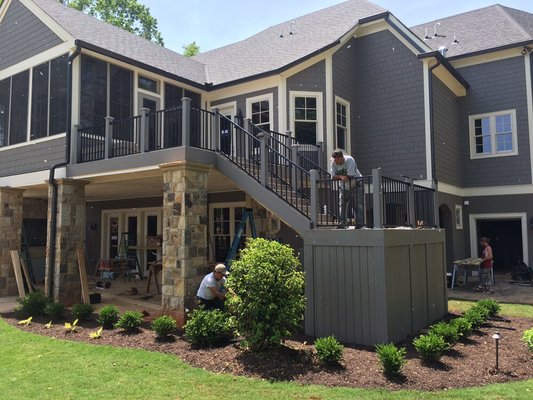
column 509, row 310
column 38, row 367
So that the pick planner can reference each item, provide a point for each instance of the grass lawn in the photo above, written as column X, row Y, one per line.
column 35, row 367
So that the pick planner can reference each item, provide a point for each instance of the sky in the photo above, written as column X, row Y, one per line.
column 216, row 23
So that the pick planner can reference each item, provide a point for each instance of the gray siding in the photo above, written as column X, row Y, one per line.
column 496, row 86
column 311, row 79
column 23, row 35
column 448, row 149
column 241, row 103
column 455, row 238
column 382, row 79
column 32, row 157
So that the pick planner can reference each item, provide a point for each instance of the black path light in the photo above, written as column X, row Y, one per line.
column 497, row 338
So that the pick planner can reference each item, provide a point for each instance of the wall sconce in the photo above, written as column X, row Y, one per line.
column 497, row 338
column 526, row 50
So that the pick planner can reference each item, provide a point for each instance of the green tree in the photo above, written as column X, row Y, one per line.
column 191, row 49
column 129, row 15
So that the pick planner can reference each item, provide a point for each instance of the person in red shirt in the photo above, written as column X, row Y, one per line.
column 486, row 266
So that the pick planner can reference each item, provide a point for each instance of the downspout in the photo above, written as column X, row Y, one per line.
column 432, row 138
column 51, row 178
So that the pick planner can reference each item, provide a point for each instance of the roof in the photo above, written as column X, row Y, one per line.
column 276, row 48
column 108, row 37
column 480, row 30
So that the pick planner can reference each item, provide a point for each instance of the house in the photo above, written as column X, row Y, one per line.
column 110, row 139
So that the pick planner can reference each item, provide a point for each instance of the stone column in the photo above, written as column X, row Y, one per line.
column 10, row 233
column 70, row 229
column 184, row 235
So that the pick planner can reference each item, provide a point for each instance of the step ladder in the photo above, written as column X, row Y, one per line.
column 125, row 253
column 25, row 250
column 247, row 215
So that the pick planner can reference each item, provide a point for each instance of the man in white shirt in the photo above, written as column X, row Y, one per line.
column 211, row 293
column 344, row 168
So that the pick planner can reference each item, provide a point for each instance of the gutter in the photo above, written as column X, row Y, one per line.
column 441, row 60
column 432, row 137
column 53, row 183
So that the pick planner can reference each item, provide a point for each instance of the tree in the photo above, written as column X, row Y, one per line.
column 191, row 49
column 126, row 14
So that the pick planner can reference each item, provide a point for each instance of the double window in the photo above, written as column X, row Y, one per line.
column 493, row 134
column 259, row 110
column 306, row 117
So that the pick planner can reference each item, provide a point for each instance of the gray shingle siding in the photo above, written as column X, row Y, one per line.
column 311, row 79
column 447, row 142
column 496, row 86
column 385, row 89
column 241, row 103
column 19, row 44
column 32, row 157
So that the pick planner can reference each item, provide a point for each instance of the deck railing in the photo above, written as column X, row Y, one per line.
column 290, row 170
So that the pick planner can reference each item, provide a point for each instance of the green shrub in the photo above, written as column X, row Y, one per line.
column 463, row 326
column 267, row 293
column 108, row 316
column 430, row 347
column 206, row 328
column 328, row 350
column 449, row 332
column 492, row 306
column 164, row 325
column 476, row 315
column 34, row 304
column 392, row 358
column 528, row 339
column 130, row 321
column 55, row 310
column 82, row 311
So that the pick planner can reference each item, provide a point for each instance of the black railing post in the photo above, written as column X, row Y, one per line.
column 411, row 218
column 263, row 166
column 144, row 130
column 215, row 130
column 377, row 197
column 319, row 153
column 186, row 121
column 313, row 212
column 75, row 144
column 108, row 151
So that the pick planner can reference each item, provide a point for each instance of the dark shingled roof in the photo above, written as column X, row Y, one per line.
column 116, row 40
column 479, row 30
column 267, row 51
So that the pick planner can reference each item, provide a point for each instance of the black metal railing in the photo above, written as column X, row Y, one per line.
column 91, row 143
column 126, row 136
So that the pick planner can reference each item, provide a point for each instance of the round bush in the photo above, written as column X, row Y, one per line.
column 463, row 326
column 266, row 293
column 164, row 325
column 449, row 332
column 207, row 328
column 328, row 350
column 528, row 339
column 492, row 306
column 392, row 358
column 476, row 315
column 108, row 316
column 55, row 310
column 82, row 311
column 34, row 304
column 130, row 321
column 430, row 347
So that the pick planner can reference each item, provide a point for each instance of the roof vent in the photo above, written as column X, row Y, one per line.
column 291, row 28
column 455, row 41
column 435, row 34
column 426, row 37
column 443, row 50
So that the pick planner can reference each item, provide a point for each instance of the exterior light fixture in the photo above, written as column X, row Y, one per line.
column 497, row 338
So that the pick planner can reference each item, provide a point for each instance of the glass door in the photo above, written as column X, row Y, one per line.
column 154, row 120
column 224, row 224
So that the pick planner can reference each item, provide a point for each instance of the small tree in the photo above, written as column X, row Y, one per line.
column 191, row 49
column 266, row 293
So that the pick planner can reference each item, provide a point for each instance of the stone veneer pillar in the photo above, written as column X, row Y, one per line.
column 184, row 235
column 10, row 233
column 70, row 229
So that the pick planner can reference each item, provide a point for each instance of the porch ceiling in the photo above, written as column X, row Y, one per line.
column 131, row 185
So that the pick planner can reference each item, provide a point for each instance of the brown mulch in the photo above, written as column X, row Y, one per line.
column 470, row 362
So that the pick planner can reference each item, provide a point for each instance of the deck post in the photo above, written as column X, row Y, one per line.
column 314, row 198
column 186, row 121
column 263, row 166
column 377, row 198
column 75, row 144
column 108, row 151
column 215, row 130
column 143, row 139
column 411, row 203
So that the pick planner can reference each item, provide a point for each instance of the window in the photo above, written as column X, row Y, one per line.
column 306, row 117
column 493, row 135
column 120, row 92
column 58, row 95
column 342, row 111
column 261, row 114
column 18, row 124
column 39, row 101
column 148, row 84
column 5, row 89
column 93, row 98
column 458, row 216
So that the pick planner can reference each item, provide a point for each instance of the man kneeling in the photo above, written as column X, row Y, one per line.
column 211, row 292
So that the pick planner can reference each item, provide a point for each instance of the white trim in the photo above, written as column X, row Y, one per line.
column 427, row 119
column 330, row 107
column 319, row 111
column 4, row 6
column 486, row 57
column 255, row 99
column 282, row 105
column 31, row 179
column 473, row 231
column 334, row 143
column 486, row 191
column 494, row 153
column 32, row 142
column 529, row 106
column 226, row 106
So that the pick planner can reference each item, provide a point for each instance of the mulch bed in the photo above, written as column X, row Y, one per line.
column 470, row 362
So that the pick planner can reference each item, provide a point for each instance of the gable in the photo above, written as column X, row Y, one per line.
column 23, row 35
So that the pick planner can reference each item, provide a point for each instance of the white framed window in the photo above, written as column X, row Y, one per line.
column 458, row 216
column 493, row 134
column 224, row 221
column 306, row 117
column 342, row 124
column 259, row 110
